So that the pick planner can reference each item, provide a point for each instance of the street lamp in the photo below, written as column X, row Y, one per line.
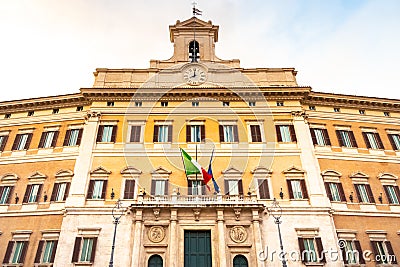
column 117, row 213
column 276, row 212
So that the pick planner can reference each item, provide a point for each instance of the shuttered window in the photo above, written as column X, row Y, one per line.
column 392, row 194
column 263, row 189
column 372, row 140
column 346, row 138
column 297, row 189
column 73, row 137
column 394, row 141
column 97, row 189
column 285, row 133
column 352, row 252
column 255, row 132
column 195, row 133
column 16, row 252
column 32, row 193
column 3, row 142
column 129, row 189
column 162, row 133
column 46, row 251
column 159, row 187
column 311, row 250
column 335, row 191
column 107, row 133
column 60, row 191
column 22, row 141
column 5, row 194
column 48, row 139
column 135, row 133
column 364, row 193
column 320, row 137
column 228, row 133
column 84, row 249
column 233, row 187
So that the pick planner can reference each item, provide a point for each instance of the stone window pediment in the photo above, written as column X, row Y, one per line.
column 294, row 173
column 161, row 172
column 130, row 171
column 9, row 178
column 100, row 172
column 64, row 175
column 232, row 172
column 261, row 172
column 331, row 176
column 359, row 177
column 37, row 177
column 387, row 178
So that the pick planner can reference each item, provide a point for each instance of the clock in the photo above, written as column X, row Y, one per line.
column 194, row 74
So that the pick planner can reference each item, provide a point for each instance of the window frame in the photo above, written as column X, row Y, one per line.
column 30, row 188
column 320, row 139
column 376, row 144
column 17, row 141
column 234, row 134
column 228, row 188
column 349, row 141
column 367, row 193
column 3, row 140
column 45, row 141
column 78, row 249
column 394, row 139
column 302, row 187
column 101, row 195
column 288, row 136
column 340, row 192
column 69, row 135
column 154, row 186
column 156, row 134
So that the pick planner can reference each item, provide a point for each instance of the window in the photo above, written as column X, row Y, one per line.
column 196, row 187
column 3, row 142
column 255, row 131
column 32, row 193
column 195, row 133
column 164, row 104
column 73, row 137
column 22, row 141
column 136, row 131
column 60, row 191
column 362, row 112
column 364, row 193
column 159, row 187
column 79, row 108
column 31, row 113
column 162, row 133
column 285, row 133
column 311, row 250
column 7, row 116
column 97, row 189
column 351, row 252
column 195, row 104
column 252, row 104
column 372, row 140
column 263, row 189
column 228, row 133
column 16, row 252
column 335, row 191
column 194, row 50
column 107, row 133
column 279, row 104
column 84, row 249
column 110, row 104
column 56, row 110
column 138, row 103
column 392, row 194
column 48, row 139
column 320, row 137
column 346, row 138
column 336, row 109
column 5, row 194
column 297, row 189
column 233, row 187
column 383, row 252
column 129, row 189
column 395, row 141
column 225, row 104
column 46, row 251
column 386, row 114
column 311, row 108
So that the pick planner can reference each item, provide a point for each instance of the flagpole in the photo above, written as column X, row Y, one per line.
column 197, row 185
column 184, row 167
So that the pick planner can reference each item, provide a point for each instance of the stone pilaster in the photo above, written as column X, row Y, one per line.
column 137, row 239
column 173, row 246
column 221, row 238
column 257, row 234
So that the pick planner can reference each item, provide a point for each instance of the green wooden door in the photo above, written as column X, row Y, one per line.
column 198, row 249
column 240, row 261
column 155, row 261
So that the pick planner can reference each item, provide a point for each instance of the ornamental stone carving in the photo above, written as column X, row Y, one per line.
column 238, row 234
column 156, row 234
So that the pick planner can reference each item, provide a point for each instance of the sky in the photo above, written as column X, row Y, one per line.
column 52, row 47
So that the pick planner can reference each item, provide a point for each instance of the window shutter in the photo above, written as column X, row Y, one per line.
column 166, row 191
column 67, row 186
column 77, row 248
column 369, row 192
column 358, row 193
column 302, row 250
column 313, row 137
column 326, row 137
column 188, row 133
column 352, row 139
column 202, row 133
column 169, row 133
column 391, row 252
column 23, row 252
column 55, row 191
column 341, row 192
column 375, row 249
column 235, row 134
column 27, row 193
column 240, row 186
column 7, row 256
column 155, row 134
column 55, row 137
column 255, row 133
column 190, row 189
column 53, row 253
column 221, row 133
column 39, row 192
column 3, row 143
column 320, row 249
column 328, row 191
column 16, row 142
column 78, row 140
column 39, row 251
column 385, row 188
column 93, row 249
column 289, row 184
column 263, row 188
column 367, row 143
column 344, row 256
column 278, row 133
column 379, row 140
column 391, row 139
column 304, row 188
column 114, row 134
column 90, row 189
column 153, row 187
column 293, row 137
column 66, row 138
column 339, row 137
column 129, row 190
column 8, row 201
column 396, row 189
column 226, row 187
column 361, row 259
column 28, row 141
column 100, row 133
column 103, row 192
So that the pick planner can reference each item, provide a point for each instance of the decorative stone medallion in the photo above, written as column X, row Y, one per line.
column 156, row 234
column 238, row 234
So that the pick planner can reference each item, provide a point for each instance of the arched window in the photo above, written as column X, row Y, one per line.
column 240, row 261
column 194, row 51
column 155, row 261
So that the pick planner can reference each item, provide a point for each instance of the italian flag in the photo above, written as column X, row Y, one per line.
column 193, row 167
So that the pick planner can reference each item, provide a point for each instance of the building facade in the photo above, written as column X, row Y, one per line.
column 332, row 162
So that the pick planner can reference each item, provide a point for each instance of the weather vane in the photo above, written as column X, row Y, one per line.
column 194, row 49
column 196, row 12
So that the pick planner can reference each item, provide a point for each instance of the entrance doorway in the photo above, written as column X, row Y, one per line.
column 197, row 248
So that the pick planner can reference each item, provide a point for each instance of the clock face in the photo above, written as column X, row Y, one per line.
column 194, row 75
